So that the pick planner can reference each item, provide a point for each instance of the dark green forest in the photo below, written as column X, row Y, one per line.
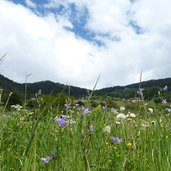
column 150, row 90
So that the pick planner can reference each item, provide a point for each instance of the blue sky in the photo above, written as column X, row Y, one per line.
column 78, row 18
column 72, row 42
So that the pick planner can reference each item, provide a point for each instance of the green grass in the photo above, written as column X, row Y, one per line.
column 146, row 141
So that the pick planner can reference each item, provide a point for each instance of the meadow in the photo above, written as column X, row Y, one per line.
column 133, row 135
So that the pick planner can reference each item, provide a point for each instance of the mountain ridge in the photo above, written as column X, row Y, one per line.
column 151, row 87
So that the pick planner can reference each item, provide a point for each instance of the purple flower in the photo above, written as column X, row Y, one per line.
column 164, row 101
column 168, row 109
column 68, row 106
column 104, row 107
column 165, row 88
column 91, row 128
column 118, row 140
column 61, row 122
column 53, row 154
column 46, row 159
column 85, row 111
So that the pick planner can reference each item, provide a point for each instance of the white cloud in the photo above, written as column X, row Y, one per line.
column 42, row 46
column 108, row 16
column 30, row 4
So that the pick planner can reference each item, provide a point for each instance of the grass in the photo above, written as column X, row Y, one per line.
column 145, row 140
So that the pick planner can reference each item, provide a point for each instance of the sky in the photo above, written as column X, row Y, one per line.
column 74, row 41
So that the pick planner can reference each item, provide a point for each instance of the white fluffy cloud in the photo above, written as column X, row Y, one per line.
column 42, row 46
column 30, row 4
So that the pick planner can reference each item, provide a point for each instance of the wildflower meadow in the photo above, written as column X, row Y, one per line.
column 134, row 135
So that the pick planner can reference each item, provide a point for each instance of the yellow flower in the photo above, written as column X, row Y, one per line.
column 56, row 130
column 129, row 145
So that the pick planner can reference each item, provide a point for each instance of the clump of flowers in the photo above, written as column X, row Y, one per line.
column 16, row 107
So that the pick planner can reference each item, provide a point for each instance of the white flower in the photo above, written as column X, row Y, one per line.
column 122, row 108
column 121, row 116
column 114, row 110
column 107, row 129
column 16, row 107
column 144, row 125
column 150, row 110
column 131, row 115
column 153, row 122
column 118, row 123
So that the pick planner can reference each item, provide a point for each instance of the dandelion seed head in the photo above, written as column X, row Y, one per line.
column 107, row 129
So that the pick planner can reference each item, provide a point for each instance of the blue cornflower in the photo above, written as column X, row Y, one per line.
column 164, row 101
column 118, row 140
column 168, row 109
column 61, row 122
column 77, row 104
column 91, row 128
column 68, row 106
column 104, row 107
column 46, row 159
column 85, row 111
column 165, row 88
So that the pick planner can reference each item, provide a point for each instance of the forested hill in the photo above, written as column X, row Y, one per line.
column 150, row 87
column 46, row 87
